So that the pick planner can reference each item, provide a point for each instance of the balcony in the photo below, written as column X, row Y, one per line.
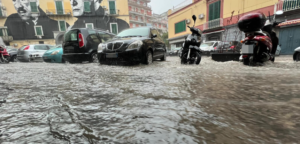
column 136, row 12
column 7, row 38
column 213, row 24
column 113, row 12
column 137, row 20
column 54, row 12
column 3, row 13
column 134, row 3
column 287, row 5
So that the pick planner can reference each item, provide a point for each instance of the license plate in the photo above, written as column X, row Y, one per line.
column 111, row 55
column 247, row 49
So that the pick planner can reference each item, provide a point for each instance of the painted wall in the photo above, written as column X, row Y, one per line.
column 243, row 7
column 196, row 9
column 20, row 21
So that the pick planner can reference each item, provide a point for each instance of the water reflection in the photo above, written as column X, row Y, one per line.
column 162, row 103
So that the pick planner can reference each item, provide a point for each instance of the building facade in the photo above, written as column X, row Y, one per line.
column 140, row 13
column 216, row 18
column 160, row 21
column 46, row 21
column 289, row 30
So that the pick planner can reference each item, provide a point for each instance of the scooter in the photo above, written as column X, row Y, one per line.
column 190, row 52
column 257, row 46
column 4, row 55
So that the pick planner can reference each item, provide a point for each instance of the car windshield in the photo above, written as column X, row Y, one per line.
column 207, row 44
column 135, row 32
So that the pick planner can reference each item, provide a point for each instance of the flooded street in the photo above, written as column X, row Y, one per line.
column 162, row 103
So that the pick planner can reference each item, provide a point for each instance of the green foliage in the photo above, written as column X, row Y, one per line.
column 165, row 37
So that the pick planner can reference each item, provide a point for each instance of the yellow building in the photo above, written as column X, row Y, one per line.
column 45, row 21
column 216, row 18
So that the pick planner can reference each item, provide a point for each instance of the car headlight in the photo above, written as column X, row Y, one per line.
column 136, row 44
column 101, row 47
column 55, row 52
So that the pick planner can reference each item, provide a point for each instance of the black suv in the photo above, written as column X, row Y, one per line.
column 81, row 44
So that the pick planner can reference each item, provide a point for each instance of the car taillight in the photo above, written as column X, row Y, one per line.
column 81, row 41
column 26, row 48
column 245, row 56
column 215, row 47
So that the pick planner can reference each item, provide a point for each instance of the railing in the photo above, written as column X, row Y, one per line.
column 287, row 5
column 58, row 12
column 136, row 12
column 113, row 12
column 137, row 20
column 3, row 13
column 7, row 38
column 213, row 24
column 139, row 4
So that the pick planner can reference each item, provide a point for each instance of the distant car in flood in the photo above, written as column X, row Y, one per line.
column 296, row 55
column 209, row 46
column 81, row 44
column 13, row 53
column 132, row 46
column 35, row 52
column 54, row 55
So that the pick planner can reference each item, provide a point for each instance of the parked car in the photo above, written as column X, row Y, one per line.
column 209, row 46
column 54, row 55
column 13, row 53
column 174, row 52
column 296, row 55
column 30, row 53
column 81, row 44
column 135, row 45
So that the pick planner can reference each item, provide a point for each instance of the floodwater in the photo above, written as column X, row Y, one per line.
column 166, row 102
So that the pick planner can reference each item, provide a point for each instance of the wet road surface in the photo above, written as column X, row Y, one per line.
column 162, row 103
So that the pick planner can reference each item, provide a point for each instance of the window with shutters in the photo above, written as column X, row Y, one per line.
column 38, row 31
column 180, row 27
column 62, row 25
column 33, row 7
column 214, row 10
column 112, row 7
column 87, row 6
column 114, row 28
column 59, row 7
column 3, row 32
column 89, row 25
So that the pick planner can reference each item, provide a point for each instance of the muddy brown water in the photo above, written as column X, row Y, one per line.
column 162, row 103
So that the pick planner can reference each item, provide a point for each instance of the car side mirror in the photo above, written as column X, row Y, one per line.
column 154, row 36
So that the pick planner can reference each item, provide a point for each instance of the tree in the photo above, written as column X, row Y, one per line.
column 165, row 37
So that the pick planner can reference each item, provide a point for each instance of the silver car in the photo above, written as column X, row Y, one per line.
column 30, row 53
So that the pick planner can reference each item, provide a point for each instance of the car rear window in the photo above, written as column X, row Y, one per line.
column 105, row 37
column 71, row 36
column 23, row 47
column 40, row 47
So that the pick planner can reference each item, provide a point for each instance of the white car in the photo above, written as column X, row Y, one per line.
column 209, row 46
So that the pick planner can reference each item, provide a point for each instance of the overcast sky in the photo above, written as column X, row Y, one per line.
column 160, row 6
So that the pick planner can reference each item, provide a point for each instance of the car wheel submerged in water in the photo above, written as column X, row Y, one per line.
column 149, row 58
column 164, row 58
column 94, row 58
column 297, row 57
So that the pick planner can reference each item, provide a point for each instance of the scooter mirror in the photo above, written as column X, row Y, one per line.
column 280, row 12
column 194, row 18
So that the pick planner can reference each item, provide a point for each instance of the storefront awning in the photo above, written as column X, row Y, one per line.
column 176, row 41
column 290, row 22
